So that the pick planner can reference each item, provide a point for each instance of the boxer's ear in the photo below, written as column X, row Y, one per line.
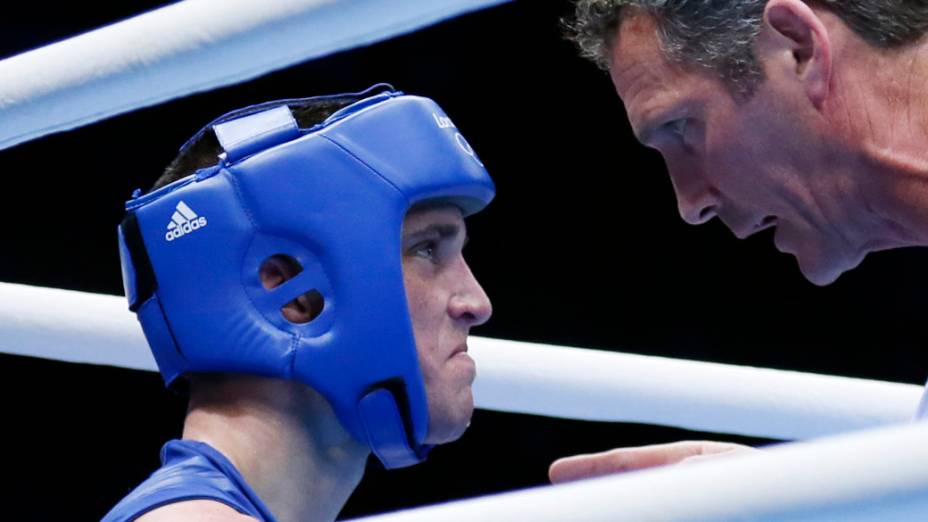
column 796, row 38
column 280, row 268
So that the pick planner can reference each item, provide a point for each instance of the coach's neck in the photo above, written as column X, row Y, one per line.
column 880, row 104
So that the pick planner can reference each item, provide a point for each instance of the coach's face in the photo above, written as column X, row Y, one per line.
column 771, row 160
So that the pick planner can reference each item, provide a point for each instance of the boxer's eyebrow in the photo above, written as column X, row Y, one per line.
column 435, row 232
column 442, row 230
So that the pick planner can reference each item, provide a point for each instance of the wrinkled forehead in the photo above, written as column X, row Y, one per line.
column 637, row 57
column 644, row 78
column 636, row 28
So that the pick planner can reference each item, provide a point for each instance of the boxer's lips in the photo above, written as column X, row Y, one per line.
column 461, row 348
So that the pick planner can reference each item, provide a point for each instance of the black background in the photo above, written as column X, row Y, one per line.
column 583, row 246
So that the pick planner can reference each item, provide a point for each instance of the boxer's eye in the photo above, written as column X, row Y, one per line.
column 425, row 249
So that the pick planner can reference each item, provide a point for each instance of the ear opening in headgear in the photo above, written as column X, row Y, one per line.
column 280, row 268
column 305, row 308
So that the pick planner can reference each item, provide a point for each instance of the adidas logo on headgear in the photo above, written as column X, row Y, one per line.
column 183, row 222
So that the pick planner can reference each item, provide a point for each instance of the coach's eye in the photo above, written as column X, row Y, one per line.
column 677, row 127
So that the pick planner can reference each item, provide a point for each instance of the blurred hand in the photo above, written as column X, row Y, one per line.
column 641, row 457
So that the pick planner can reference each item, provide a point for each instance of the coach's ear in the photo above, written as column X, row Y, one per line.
column 796, row 42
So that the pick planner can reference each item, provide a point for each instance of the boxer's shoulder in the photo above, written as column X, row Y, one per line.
column 195, row 511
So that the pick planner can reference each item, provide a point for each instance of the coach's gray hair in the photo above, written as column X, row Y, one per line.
column 720, row 34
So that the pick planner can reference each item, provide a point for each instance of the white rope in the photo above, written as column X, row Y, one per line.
column 522, row 377
column 878, row 475
column 606, row 386
column 71, row 326
column 189, row 47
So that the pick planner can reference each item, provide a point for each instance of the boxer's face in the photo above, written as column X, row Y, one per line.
column 768, row 161
column 445, row 301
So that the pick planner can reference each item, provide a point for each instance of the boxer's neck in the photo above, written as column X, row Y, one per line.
column 284, row 439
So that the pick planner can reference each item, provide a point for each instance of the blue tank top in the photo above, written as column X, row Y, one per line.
column 191, row 470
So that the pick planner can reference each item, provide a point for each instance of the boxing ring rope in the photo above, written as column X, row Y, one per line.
column 522, row 377
column 188, row 47
column 875, row 475
column 879, row 474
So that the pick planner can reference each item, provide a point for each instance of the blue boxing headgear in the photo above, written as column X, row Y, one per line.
column 333, row 197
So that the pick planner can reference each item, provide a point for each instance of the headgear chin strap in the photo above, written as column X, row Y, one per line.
column 332, row 197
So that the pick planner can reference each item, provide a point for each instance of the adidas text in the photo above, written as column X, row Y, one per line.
column 184, row 221
column 184, row 229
